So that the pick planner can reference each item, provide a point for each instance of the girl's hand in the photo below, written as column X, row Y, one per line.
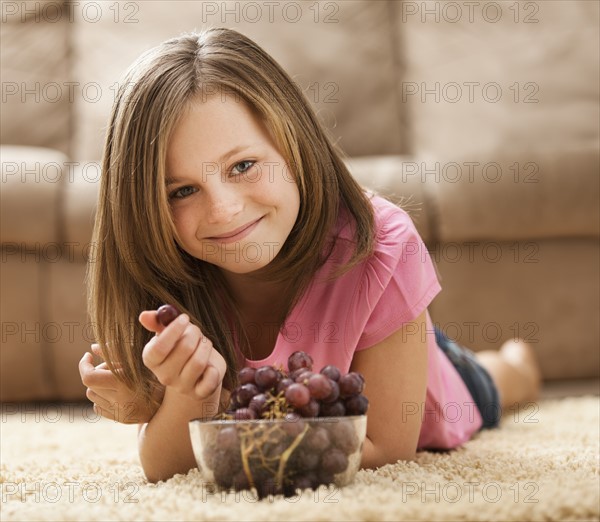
column 112, row 399
column 182, row 358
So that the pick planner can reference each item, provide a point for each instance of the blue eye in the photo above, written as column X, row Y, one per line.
column 243, row 163
column 182, row 192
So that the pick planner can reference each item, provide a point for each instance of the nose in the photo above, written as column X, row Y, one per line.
column 222, row 205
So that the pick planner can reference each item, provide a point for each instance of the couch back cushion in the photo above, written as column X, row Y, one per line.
column 340, row 53
column 34, row 68
column 492, row 78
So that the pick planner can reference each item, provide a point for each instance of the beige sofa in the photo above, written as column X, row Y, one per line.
column 482, row 121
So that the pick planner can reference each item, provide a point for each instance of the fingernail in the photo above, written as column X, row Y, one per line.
column 183, row 319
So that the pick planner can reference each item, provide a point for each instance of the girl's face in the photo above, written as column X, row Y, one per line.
column 233, row 197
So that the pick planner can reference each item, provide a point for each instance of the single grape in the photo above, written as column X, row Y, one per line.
column 246, row 375
column 351, row 384
column 332, row 409
column 357, row 405
column 343, row 436
column 311, row 409
column 299, row 360
column 303, row 460
column 335, row 392
column 258, row 403
column 283, row 384
column 317, row 439
column 297, row 395
column 166, row 313
column 303, row 376
column 332, row 372
column 265, row 377
column 245, row 393
column 293, row 425
column 227, row 465
column 319, row 386
column 244, row 414
column 227, row 439
column 334, row 461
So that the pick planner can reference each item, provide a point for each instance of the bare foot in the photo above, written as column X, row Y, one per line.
column 522, row 357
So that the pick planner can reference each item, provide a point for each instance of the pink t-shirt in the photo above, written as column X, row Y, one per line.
column 356, row 311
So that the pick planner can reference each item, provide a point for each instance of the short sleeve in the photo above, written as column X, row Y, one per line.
column 399, row 280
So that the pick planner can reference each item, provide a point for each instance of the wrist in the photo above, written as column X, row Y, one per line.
column 189, row 407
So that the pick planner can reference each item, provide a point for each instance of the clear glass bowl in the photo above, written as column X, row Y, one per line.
column 279, row 456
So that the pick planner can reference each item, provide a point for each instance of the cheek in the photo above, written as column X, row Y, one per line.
column 183, row 223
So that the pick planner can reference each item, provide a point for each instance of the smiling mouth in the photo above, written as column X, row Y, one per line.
column 237, row 231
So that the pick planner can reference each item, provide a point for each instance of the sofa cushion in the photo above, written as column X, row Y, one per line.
column 533, row 195
column 30, row 198
column 340, row 53
column 490, row 77
column 34, row 67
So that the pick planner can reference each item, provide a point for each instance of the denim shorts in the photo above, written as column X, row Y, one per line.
column 477, row 379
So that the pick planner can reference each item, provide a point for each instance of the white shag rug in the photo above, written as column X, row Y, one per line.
column 62, row 462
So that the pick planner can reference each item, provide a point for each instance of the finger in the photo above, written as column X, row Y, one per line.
column 169, row 371
column 93, row 377
column 103, row 412
column 97, row 350
column 196, row 365
column 149, row 320
column 158, row 348
column 208, row 383
column 99, row 400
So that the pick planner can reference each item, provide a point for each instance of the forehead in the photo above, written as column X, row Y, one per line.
column 215, row 125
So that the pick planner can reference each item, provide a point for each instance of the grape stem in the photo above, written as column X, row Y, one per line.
column 286, row 455
column 245, row 452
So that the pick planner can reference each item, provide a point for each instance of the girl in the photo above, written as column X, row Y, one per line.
column 222, row 194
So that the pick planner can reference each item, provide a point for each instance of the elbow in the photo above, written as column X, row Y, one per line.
column 378, row 455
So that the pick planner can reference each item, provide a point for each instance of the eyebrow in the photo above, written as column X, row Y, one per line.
column 240, row 148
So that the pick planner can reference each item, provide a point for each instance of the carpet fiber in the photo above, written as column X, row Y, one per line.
column 63, row 463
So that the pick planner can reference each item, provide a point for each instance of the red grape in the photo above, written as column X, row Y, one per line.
column 303, row 376
column 311, row 409
column 297, row 395
column 334, row 461
column 335, row 392
column 245, row 393
column 244, row 414
column 166, row 313
column 283, row 384
column 332, row 409
column 299, row 360
column 227, row 439
column 258, row 403
column 317, row 439
column 351, row 384
column 332, row 372
column 357, row 405
column 319, row 386
column 246, row 375
column 265, row 377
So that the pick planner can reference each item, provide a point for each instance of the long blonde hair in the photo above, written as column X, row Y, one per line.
column 139, row 263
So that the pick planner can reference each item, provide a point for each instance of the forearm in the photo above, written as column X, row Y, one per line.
column 164, row 443
column 374, row 456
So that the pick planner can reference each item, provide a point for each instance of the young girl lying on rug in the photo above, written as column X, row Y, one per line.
column 222, row 194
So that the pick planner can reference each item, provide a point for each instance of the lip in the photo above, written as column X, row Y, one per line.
column 238, row 233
